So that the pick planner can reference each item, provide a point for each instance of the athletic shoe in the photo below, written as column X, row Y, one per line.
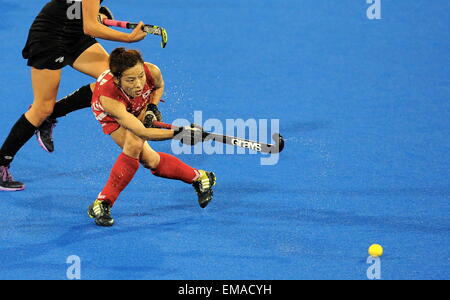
column 203, row 186
column 100, row 211
column 7, row 182
column 44, row 135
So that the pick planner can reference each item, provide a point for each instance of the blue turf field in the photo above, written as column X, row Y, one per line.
column 363, row 104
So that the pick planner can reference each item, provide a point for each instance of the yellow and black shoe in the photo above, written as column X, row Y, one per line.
column 203, row 186
column 101, row 212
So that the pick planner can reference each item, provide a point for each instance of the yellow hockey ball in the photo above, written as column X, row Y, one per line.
column 375, row 250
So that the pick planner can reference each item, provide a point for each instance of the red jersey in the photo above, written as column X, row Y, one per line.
column 106, row 87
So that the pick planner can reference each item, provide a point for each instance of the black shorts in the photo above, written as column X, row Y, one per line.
column 54, row 41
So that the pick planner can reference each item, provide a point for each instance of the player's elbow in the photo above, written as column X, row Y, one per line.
column 88, row 31
column 90, row 28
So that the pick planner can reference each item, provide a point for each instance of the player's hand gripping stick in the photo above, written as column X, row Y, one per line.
column 151, row 29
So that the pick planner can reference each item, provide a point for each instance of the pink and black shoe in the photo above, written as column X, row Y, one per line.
column 44, row 135
column 7, row 182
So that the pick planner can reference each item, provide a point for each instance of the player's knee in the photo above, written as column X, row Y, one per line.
column 47, row 111
column 150, row 162
column 133, row 149
column 44, row 110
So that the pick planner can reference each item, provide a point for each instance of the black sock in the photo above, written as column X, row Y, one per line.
column 80, row 99
column 21, row 132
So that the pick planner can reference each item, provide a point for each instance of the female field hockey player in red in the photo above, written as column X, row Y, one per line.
column 120, row 101
column 57, row 39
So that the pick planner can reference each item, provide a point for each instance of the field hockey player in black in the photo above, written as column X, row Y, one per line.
column 58, row 39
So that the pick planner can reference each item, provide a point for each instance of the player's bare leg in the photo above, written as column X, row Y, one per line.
column 45, row 89
column 92, row 62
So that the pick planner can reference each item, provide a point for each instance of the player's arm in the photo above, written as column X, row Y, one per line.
column 152, row 111
column 158, row 82
column 92, row 27
column 128, row 121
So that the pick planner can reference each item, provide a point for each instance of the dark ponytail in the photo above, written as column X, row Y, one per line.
column 121, row 60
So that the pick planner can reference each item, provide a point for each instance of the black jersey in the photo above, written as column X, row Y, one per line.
column 69, row 2
column 56, row 18
column 57, row 31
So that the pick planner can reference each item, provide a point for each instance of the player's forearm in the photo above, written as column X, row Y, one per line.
column 100, row 31
column 130, row 122
column 136, row 127
column 93, row 28
column 156, row 96
column 154, row 134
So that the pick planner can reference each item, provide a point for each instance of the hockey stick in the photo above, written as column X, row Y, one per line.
column 151, row 29
column 238, row 142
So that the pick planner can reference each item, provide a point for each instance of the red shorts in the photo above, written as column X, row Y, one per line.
column 109, row 127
